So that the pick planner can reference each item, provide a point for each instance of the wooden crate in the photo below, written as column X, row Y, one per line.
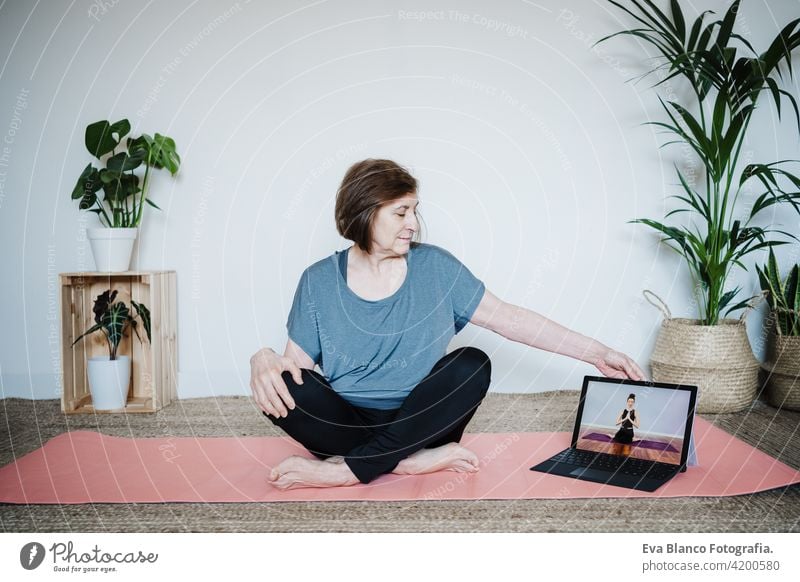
column 153, row 364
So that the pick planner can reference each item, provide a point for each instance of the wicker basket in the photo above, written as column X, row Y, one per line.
column 782, row 369
column 717, row 359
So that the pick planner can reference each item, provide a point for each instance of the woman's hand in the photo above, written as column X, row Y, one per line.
column 269, row 389
column 615, row 364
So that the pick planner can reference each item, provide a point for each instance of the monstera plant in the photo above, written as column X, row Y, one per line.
column 109, row 376
column 726, row 77
column 124, row 192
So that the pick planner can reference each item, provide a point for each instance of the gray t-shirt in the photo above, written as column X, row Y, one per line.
column 374, row 353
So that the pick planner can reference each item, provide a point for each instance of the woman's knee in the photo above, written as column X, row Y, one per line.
column 475, row 363
column 313, row 382
column 304, row 395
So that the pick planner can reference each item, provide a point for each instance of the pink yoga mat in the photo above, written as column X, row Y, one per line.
column 89, row 467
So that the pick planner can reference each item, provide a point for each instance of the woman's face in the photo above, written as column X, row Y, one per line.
column 395, row 224
column 630, row 403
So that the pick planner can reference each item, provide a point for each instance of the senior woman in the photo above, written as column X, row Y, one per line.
column 377, row 318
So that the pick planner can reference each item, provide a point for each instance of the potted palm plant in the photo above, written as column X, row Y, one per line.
column 124, row 194
column 109, row 376
column 782, row 364
column 713, row 351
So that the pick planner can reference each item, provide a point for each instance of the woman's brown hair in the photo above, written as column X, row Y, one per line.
column 366, row 186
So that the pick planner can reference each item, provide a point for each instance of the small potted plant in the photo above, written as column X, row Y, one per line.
column 782, row 364
column 124, row 195
column 109, row 376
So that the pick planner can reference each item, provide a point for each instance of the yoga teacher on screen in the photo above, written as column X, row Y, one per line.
column 377, row 318
column 629, row 419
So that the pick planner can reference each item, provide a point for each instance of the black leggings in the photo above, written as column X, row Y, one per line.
column 374, row 441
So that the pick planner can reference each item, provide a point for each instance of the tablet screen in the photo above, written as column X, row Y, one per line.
column 645, row 422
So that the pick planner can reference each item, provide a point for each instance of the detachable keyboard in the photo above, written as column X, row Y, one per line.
column 616, row 463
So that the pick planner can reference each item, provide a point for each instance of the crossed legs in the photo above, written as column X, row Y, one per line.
column 356, row 444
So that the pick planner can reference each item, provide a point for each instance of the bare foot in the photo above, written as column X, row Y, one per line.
column 449, row 457
column 296, row 471
column 335, row 459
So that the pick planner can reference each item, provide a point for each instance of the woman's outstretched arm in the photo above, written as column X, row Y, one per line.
column 527, row 327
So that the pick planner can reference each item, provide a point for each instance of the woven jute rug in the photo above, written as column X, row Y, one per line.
column 28, row 424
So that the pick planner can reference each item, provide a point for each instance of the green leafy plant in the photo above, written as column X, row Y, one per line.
column 114, row 318
column 123, row 198
column 726, row 88
column 783, row 295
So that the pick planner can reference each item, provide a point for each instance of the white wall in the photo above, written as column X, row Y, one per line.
column 528, row 144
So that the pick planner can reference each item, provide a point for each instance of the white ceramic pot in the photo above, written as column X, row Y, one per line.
column 109, row 381
column 112, row 248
